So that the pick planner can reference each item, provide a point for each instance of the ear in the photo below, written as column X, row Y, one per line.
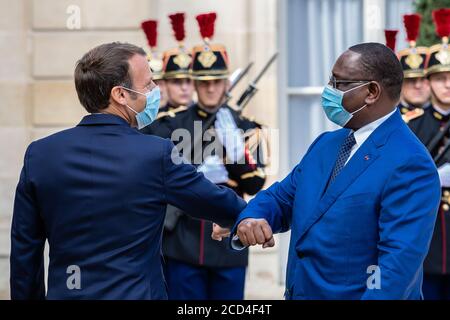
column 374, row 93
column 118, row 95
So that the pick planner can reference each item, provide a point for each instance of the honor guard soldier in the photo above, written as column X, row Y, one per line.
column 416, row 88
column 176, row 72
column 150, row 28
column 178, row 86
column 198, row 267
column 432, row 128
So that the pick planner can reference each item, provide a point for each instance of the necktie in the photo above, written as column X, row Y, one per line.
column 343, row 155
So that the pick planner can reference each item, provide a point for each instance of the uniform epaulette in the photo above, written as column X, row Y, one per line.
column 171, row 113
column 413, row 114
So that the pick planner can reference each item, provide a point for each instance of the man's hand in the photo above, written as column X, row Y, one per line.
column 255, row 231
column 219, row 232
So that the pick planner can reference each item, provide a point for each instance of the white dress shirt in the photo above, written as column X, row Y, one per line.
column 363, row 133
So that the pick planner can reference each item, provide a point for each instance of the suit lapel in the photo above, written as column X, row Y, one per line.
column 360, row 161
column 327, row 163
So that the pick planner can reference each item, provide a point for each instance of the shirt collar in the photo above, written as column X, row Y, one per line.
column 205, row 113
column 363, row 133
column 441, row 111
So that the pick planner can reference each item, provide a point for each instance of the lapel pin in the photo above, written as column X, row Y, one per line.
column 366, row 157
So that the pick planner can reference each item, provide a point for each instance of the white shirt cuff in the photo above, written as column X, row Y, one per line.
column 236, row 244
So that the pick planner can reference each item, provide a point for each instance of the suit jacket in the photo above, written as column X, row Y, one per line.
column 374, row 222
column 189, row 240
column 99, row 196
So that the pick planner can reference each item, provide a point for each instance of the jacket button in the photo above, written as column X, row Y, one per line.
column 300, row 254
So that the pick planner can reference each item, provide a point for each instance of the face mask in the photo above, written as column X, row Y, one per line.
column 148, row 115
column 332, row 105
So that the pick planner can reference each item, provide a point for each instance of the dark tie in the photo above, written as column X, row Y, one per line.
column 343, row 155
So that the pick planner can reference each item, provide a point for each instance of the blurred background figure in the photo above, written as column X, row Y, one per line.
column 150, row 28
column 416, row 88
column 175, row 77
column 432, row 127
column 176, row 62
column 198, row 267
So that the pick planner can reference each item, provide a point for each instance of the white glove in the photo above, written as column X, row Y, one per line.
column 229, row 135
column 444, row 175
column 214, row 170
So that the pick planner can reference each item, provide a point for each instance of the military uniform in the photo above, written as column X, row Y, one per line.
column 191, row 240
column 198, row 267
column 158, row 127
column 427, row 124
column 405, row 107
column 412, row 59
column 175, row 64
column 169, row 110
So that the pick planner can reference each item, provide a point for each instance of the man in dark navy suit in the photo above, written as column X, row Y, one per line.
column 98, row 195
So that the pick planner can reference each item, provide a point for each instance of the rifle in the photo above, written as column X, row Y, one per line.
column 173, row 214
column 442, row 153
column 245, row 98
column 252, row 89
column 237, row 76
column 437, row 138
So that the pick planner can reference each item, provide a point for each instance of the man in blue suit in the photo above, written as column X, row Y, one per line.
column 362, row 203
column 98, row 195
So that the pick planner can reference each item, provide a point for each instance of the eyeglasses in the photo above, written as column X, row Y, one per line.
column 335, row 82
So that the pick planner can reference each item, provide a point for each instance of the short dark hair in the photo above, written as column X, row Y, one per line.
column 101, row 69
column 380, row 63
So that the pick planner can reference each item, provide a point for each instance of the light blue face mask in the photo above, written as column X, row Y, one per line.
column 148, row 115
column 332, row 105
